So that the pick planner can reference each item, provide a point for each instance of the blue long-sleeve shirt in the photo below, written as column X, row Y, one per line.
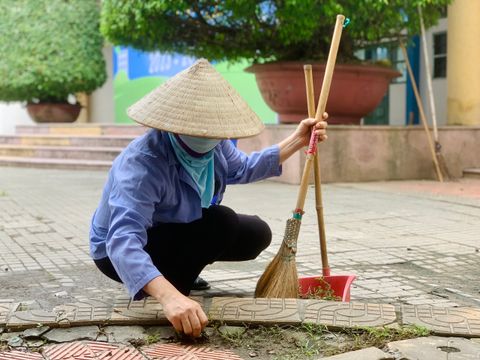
column 147, row 185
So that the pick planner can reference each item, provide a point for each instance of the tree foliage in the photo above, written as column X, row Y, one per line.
column 259, row 30
column 49, row 49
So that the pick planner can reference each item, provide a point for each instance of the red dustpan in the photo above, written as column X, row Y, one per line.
column 336, row 286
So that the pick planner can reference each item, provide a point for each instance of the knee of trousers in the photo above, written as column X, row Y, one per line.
column 225, row 224
column 263, row 236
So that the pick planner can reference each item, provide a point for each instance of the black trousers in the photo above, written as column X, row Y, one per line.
column 181, row 251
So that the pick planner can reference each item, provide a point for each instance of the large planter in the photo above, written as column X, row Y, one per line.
column 53, row 112
column 355, row 92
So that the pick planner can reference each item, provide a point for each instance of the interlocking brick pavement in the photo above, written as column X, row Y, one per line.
column 406, row 244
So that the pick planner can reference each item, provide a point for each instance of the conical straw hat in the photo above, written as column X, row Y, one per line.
column 198, row 102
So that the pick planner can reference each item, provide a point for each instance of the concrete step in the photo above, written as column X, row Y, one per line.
column 471, row 173
column 66, row 140
column 60, row 152
column 81, row 129
column 70, row 164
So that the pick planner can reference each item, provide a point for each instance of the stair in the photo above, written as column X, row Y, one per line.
column 66, row 146
column 472, row 173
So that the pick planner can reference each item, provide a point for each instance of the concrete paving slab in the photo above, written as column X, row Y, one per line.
column 255, row 311
column 147, row 311
column 124, row 334
column 72, row 334
column 35, row 333
column 341, row 314
column 433, row 347
column 370, row 353
column 460, row 321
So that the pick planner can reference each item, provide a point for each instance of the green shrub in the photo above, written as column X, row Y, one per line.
column 49, row 49
column 259, row 30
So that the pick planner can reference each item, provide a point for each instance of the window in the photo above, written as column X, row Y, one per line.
column 440, row 55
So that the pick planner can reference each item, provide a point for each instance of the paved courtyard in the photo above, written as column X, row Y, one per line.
column 408, row 242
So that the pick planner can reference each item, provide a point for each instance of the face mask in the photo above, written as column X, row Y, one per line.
column 199, row 145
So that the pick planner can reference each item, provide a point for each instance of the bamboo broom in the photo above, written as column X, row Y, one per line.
column 438, row 147
column 280, row 279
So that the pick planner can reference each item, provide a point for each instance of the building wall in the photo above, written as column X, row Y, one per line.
column 439, row 85
column 12, row 114
column 101, row 105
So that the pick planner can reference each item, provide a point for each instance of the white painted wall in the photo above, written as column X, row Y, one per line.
column 439, row 85
column 397, row 101
column 12, row 114
column 102, row 99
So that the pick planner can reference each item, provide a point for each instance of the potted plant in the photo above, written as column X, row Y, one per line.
column 51, row 50
column 278, row 37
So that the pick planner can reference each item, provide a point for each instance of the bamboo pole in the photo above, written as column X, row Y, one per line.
column 422, row 113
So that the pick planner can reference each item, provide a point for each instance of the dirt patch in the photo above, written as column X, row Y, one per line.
column 294, row 342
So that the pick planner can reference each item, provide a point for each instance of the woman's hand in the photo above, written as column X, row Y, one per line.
column 301, row 137
column 304, row 129
column 186, row 315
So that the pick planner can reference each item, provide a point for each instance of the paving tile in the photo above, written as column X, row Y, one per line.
column 89, row 332
column 71, row 351
column 86, row 312
column 5, row 309
column 434, row 347
column 125, row 353
column 98, row 347
column 147, row 311
column 20, row 355
column 460, row 321
column 181, row 352
column 257, row 311
column 341, row 314
column 31, row 318
column 370, row 353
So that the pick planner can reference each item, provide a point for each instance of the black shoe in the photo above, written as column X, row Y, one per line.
column 200, row 284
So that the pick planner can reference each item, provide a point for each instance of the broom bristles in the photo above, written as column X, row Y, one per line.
column 280, row 279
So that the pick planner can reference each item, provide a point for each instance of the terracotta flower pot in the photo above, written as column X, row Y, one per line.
column 356, row 90
column 53, row 112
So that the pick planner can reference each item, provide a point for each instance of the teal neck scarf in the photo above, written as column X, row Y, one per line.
column 200, row 169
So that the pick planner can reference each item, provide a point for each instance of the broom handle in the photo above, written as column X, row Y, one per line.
column 318, row 182
column 429, row 76
column 422, row 113
column 322, row 103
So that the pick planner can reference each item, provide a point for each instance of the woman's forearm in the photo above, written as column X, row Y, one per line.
column 289, row 146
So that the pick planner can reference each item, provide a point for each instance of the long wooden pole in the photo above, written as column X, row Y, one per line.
column 322, row 103
column 317, row 172
column 422, row 113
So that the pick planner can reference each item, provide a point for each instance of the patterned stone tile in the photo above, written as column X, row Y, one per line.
column 125, row 353
column 20, row 355
column 146, row 311
column 341, row 314
column 31, row 318
column 85, row 312
column 92, row 350
column 82, row 313
column 143, row 312
column 258, row 311
column 180, row 352
column 460, row 321
column 69, row 351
